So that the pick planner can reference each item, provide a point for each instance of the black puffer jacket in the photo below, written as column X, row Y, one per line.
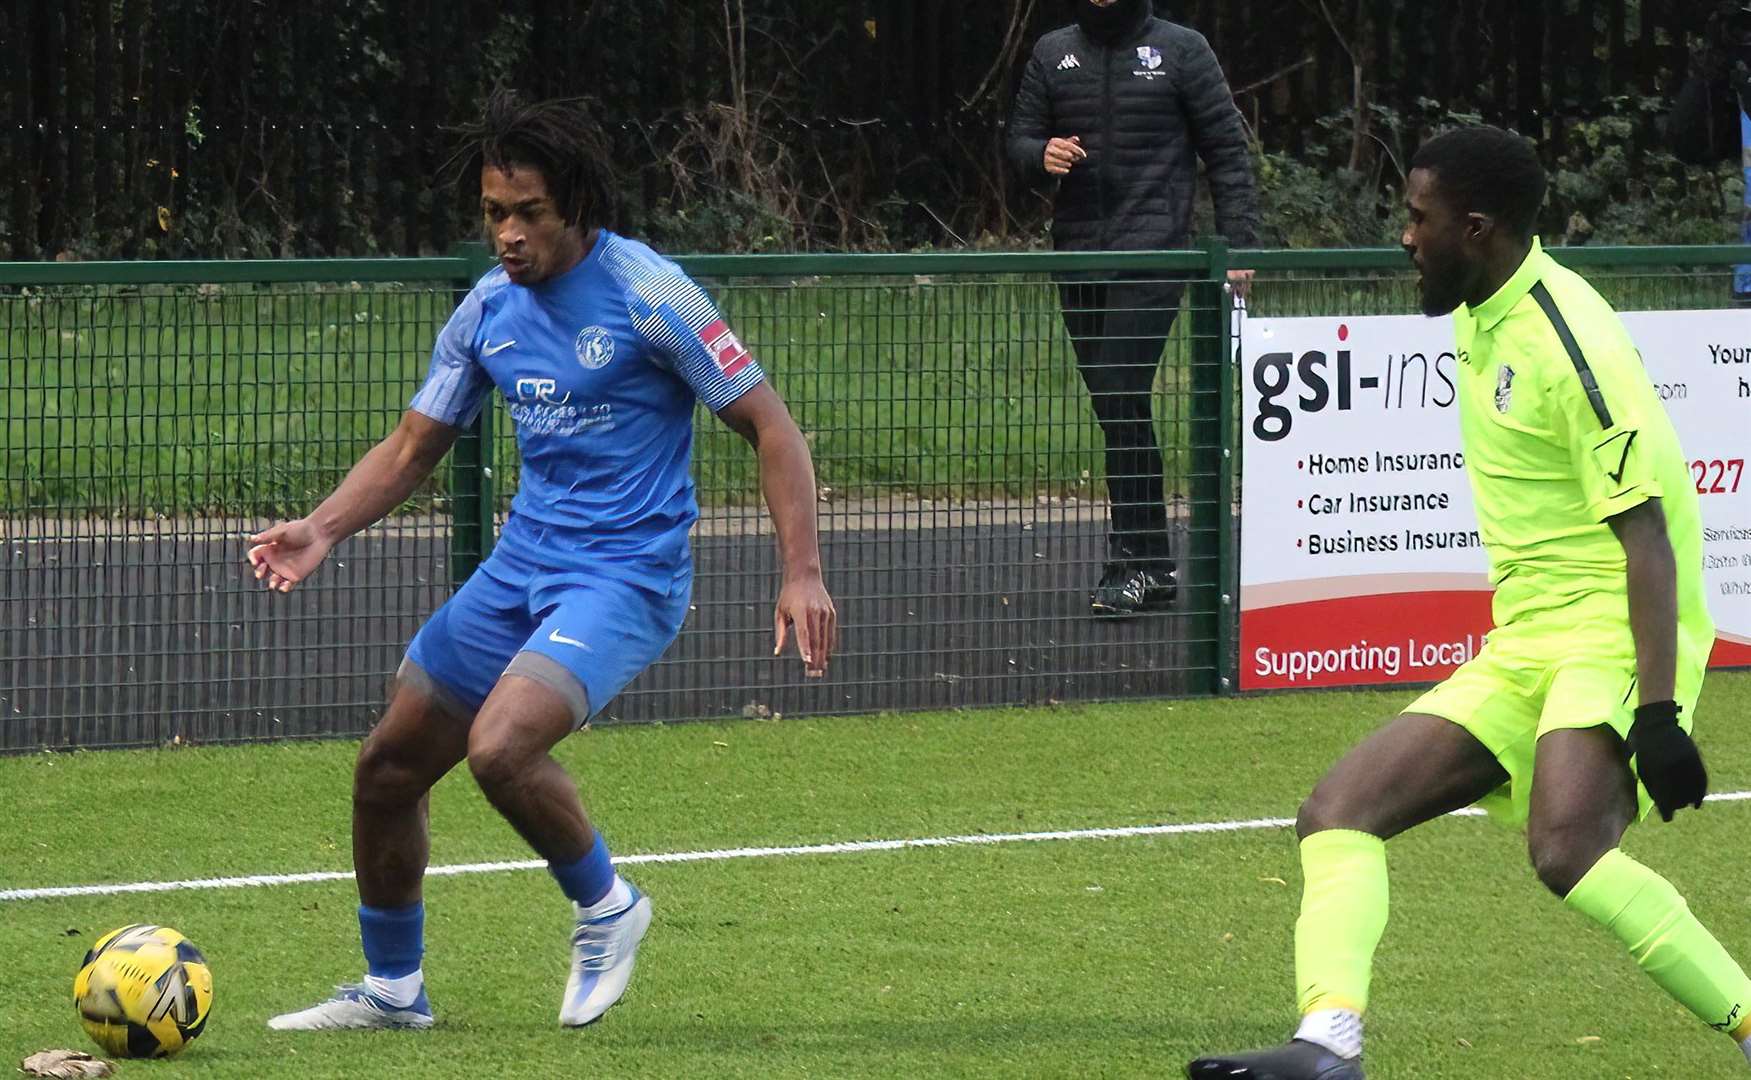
column 1143, row 104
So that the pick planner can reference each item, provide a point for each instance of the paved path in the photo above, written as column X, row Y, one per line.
column 114, row 635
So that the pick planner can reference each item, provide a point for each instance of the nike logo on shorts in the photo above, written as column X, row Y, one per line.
column 560, row 639
column 489, row 349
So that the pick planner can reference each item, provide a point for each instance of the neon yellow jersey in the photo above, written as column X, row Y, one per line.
column 1562, row 429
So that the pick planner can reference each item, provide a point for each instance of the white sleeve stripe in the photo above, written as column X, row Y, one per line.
column 437, row 398
column 456, row 386
column 658, row 284
column 666, row 328
column 440, row 391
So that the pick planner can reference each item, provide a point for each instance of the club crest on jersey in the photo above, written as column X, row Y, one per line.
column 1149, row 56
column 725, row 348
column 1504, row 389
column 594, row 346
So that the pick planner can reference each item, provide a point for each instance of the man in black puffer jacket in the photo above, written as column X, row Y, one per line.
column 1116, row 105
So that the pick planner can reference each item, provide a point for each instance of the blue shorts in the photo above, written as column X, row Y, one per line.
column 601, row 629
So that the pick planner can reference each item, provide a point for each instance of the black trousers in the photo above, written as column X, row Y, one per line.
column 1118, row 329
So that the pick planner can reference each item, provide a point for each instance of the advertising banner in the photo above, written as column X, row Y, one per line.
column 1360, row 560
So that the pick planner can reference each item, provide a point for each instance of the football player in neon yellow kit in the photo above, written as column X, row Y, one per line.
column 1573, row 721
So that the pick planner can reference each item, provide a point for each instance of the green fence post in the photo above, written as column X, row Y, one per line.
column 1204, row 580
column 1227, row 496
column 472, row 500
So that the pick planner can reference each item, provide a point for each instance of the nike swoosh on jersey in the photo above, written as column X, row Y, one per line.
column 489, row 349
column 560, row 639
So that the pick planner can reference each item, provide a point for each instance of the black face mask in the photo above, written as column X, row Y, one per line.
column 1110, row 24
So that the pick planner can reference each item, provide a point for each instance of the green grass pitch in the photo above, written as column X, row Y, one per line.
column 1115, row 957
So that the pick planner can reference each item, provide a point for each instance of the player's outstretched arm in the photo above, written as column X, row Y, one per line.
column 291, row 551
column 1666, row 758
column 787, row 476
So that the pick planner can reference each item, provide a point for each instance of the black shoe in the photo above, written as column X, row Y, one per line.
column 1296, row 1060
column 1126, row 589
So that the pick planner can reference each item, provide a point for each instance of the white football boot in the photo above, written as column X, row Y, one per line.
column 603, row 950
column 356, row 1008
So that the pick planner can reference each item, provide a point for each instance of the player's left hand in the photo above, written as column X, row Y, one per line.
column 804, row 604
column 1666, row 759
column 1241, row 282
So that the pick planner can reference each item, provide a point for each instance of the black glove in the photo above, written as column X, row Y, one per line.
column 1666, row 759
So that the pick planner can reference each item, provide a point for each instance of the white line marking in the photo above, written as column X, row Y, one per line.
column 849, row 847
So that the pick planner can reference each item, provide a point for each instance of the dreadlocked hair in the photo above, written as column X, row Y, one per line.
column 558, row 137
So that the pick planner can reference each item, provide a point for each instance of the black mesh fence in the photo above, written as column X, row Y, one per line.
column 147, row 431
column 964, row 496
column 963, row 463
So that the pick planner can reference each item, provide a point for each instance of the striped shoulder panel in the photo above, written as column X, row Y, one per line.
column 650, row 280
column 677, row 317
column 1547, row 303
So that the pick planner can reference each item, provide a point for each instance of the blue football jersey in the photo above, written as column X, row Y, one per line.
column 599, row 368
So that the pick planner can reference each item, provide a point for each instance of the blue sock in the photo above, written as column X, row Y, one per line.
column 588, row 879
column 394, row 939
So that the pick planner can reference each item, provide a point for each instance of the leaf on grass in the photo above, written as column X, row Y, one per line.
column 65, row 1065
column 1275, row 881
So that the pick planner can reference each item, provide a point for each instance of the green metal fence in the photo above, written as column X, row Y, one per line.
column 154, row 414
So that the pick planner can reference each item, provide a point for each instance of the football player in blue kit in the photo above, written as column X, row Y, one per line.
column 600, row 347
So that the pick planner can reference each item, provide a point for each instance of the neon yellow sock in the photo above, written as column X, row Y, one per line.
column 1343, row 914
column 1646, row 913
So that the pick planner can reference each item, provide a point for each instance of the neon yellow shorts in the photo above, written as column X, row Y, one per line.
column 1523, row 683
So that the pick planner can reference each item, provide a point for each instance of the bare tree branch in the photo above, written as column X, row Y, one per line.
column 1274, row 76
column 1012, row 40
column 1358, row 87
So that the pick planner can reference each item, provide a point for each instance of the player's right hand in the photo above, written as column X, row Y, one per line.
column 1063, row 153
column 1666, row 759
column 287, row 553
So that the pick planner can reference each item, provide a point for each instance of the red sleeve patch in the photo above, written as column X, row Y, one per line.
column 725, row 349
